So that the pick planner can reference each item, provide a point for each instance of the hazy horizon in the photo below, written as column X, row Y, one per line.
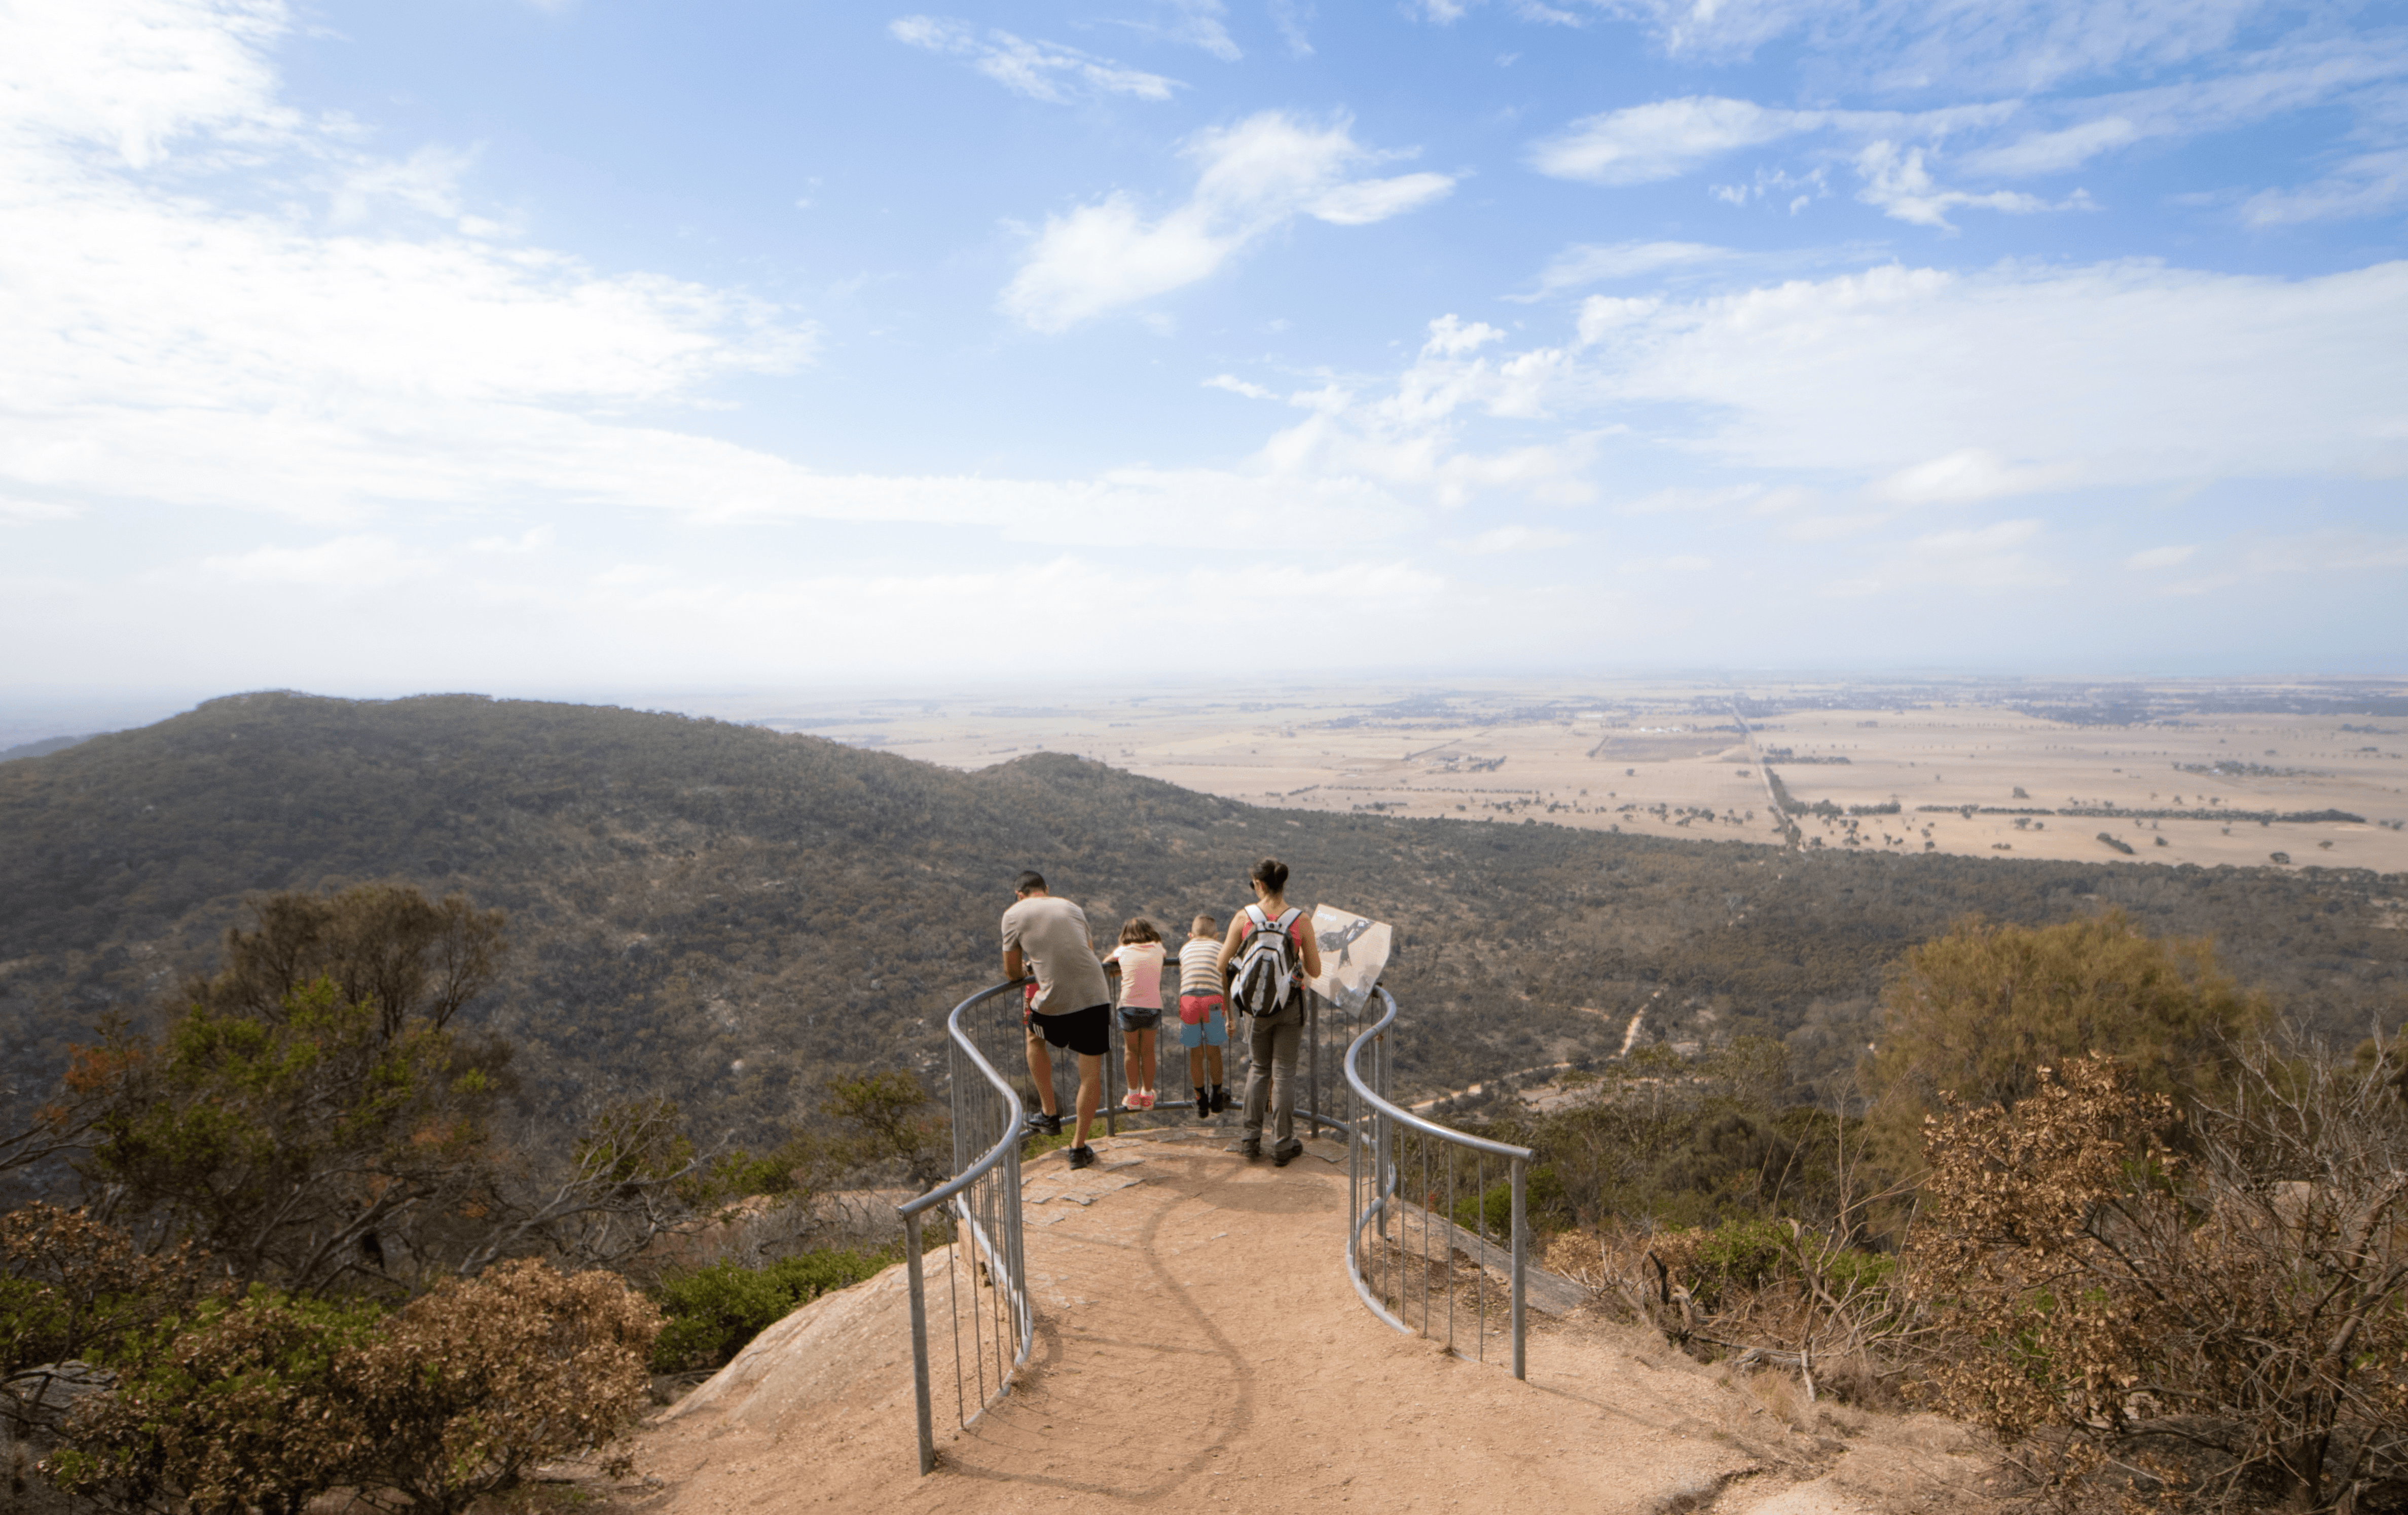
column 28, row 717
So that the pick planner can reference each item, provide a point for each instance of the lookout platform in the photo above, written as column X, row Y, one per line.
column 1199, row 1345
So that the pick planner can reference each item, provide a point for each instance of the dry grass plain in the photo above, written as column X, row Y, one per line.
column 2186, row 767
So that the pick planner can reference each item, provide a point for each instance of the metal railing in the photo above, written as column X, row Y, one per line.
column 1402, row 1251
column 1327, row 1029
column 1393, row 1153
column 984, row 1200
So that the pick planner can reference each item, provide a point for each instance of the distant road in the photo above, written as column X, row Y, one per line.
column 1771, row 795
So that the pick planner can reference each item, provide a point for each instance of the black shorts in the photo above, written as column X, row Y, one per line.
column 1087, row 1033
column 1140, row 1017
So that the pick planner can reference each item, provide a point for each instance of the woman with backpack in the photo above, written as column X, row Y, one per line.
column 1268, row 956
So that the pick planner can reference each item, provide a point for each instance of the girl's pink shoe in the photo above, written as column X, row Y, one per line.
column 1147, row 1095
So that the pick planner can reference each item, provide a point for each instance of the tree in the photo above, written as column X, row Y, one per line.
column 299, row 1147
column 1977, row 1012
column 385, row 945
column 307, row 1115
column 888, row 1114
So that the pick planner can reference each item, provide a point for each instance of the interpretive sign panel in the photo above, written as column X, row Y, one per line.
column 1354, row 950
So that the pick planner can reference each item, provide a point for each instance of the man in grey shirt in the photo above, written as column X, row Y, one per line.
column 1047, row 938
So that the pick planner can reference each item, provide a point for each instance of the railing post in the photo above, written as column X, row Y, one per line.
column 1112, row 1065
column 1521, row 1255
column 1312, row 1062
column 919, row 1343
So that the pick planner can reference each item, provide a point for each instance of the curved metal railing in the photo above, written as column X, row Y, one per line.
column 1428, row 1232
column 983, row 1199
column 1402, row 1251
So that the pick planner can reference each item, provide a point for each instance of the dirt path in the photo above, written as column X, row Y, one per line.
column 1201, row 1345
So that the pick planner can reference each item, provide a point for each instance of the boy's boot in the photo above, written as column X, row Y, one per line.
column 1203, row 1104
column 1220, row 1099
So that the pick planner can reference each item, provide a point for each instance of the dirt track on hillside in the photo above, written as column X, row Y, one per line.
column 1199, row 1344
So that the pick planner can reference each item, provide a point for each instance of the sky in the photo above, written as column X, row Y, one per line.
column 589, row 345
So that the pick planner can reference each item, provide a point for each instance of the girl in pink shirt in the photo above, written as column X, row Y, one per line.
column 1139, row 956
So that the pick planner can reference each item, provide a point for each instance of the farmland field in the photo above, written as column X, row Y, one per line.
column 2177, row 772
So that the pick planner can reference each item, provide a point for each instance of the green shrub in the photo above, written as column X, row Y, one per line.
column 1741, row 1254
column 713, row 1311
column 1721, row 1264
column 1544, row 1205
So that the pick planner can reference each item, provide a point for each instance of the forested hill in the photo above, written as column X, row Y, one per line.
column 729, row 915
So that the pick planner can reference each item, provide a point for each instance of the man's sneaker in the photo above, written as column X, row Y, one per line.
column 1286, row 1152
column 1042, row 1125
column 1083, row 1157
column 1220, row 1099
column 1250, row 1150
column 1203, row 1106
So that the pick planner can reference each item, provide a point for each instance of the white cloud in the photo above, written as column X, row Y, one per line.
column 1798, row 190
column 1602, row 315
column 1898, row 183
column 2366, row 185
column 1952, row 561
column 1251, row 179
column 1187, row 23
column 1370, row 200
column 1519, row 539
column 1238, row 386
column 138, row 75
column 1642, row 143
column 1410, row 438
column 2332, row 550
column 17, row 508
column 1965, row 475
column 1909, row 44
column 1291, row 17
column 156, row 348
column 2262, row 85
column 2122, row 372
column 2159, row 557
column 2050, row 152
column 344, row 562
column 1588, row 264
column 1040, row 70
column 1662, row 139
column 1197, row 24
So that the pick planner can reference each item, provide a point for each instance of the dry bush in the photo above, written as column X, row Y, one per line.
column 72, row 1287
column 2217, row 1315
column 1768, row 1293
column 242, row 1409
column 470, row 1387
column 265, row 1402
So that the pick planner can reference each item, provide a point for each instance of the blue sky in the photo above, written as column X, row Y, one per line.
column 584, row 345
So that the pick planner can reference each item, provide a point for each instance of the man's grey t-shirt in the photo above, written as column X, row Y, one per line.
column 1051, row 933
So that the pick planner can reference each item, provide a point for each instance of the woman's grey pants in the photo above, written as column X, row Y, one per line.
column 1273, row 1041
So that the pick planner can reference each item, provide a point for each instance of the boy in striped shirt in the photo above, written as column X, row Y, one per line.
column 1203, row 1012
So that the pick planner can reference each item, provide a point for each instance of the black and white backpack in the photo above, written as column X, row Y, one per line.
column 1269, row 971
